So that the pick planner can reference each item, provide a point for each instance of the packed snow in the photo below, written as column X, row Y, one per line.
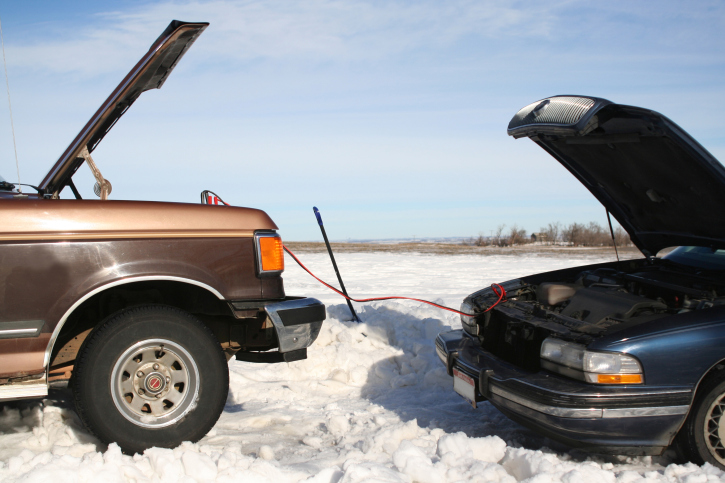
column 372, row 403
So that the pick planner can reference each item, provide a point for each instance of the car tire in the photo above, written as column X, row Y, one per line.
column 702, row 437
column 148, row 376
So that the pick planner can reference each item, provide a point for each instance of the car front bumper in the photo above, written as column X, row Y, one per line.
column 629, row 419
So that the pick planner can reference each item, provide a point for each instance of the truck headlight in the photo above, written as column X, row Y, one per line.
column 469, row 323
column 596, row 367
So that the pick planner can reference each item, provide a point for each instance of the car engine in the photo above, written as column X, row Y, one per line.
column 583, row 305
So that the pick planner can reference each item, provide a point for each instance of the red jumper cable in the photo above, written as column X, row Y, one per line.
column 497, row 289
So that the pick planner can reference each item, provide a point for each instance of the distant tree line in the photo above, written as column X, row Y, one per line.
column 576, row 234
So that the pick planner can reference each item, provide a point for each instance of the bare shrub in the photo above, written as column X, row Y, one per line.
column 622, row 237
column 481, row 241
column 593, row 235
column 577, row 234
column 517, row 236
column 551, row 232
column 498, row 237
column 572, row 234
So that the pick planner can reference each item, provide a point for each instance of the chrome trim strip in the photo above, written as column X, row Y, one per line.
column 20, row 329
column 442, row 355
column 641, row 412
column 546, row 409
column 61, row 322
column 591, row 412
column 23, row 390
column 115, row 235
column 18, row 332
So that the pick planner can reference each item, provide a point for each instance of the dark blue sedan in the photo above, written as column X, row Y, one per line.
column 625, row 357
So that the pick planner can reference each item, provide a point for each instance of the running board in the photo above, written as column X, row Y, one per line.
column 22, row 390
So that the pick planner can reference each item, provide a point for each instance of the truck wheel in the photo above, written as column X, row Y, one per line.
column 150, row 376
column 702, row 438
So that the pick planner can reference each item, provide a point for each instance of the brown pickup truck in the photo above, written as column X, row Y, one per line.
column 138, row 304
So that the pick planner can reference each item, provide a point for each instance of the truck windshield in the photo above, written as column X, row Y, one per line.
column 700, row 257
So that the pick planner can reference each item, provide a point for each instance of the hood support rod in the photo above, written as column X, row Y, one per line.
column 611, row 231
column 103, row 186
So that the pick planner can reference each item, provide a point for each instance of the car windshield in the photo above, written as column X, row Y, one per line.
column 700, row 257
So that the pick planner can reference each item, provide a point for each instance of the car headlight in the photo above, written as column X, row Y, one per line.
column 469, row 323
column 596, row 367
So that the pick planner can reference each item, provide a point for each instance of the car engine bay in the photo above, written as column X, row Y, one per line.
column 585, row 304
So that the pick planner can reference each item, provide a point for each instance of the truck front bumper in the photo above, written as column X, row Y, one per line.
column 630, row 419
column 297, row 322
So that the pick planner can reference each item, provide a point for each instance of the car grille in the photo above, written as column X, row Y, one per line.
column 516, row 342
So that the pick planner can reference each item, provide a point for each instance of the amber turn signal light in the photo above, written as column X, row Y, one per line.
column 271, row 254
column 619, row 378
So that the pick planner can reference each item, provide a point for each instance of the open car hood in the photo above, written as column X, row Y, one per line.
column 657, row 181
column 149, row 73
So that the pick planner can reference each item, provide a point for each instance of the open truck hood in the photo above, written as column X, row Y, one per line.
column 149, row 73
column 657, row 181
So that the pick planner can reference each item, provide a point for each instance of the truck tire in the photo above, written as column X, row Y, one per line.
column 702, row 437
column 150, row 376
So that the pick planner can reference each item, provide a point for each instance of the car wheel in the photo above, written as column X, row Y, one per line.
column 150, row 376
column 702, row 438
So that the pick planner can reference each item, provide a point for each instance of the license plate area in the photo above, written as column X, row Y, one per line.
column 465, row 386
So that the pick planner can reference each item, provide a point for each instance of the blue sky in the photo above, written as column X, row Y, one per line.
column 389, row 116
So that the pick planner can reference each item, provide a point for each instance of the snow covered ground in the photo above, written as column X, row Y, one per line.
column 372, row 403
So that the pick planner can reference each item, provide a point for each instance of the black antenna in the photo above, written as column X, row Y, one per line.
column 10, row 107
column 332, row 257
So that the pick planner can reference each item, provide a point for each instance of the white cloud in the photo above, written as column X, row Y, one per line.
column 319, row 31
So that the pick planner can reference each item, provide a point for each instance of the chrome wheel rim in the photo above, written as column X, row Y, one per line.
column 155, row 383
column 715, row 429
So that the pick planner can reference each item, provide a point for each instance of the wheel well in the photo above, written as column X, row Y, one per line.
column 190, row 298
column 715, row 369
column 712, row 372
column 685, row 440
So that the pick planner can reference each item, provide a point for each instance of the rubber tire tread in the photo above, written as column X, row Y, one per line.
column 690, row 441
column 94, row 364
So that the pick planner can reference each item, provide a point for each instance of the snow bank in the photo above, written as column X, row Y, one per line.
column 372, row 403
